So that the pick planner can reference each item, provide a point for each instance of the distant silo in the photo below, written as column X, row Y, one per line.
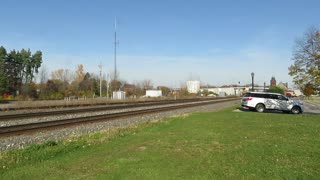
column 193, row 86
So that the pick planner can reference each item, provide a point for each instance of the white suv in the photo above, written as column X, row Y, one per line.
column 260, row 101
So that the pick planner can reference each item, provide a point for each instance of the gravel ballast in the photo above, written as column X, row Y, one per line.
column 17, row 142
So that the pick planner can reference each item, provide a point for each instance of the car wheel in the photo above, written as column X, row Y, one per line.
column 295, row 110
column 260, row 108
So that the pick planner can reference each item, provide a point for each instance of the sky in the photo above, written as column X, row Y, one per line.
column 165, row 41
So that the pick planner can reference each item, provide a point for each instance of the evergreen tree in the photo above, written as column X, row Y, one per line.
column 3, row 78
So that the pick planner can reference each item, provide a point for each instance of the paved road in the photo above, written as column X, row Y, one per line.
column 311, row 108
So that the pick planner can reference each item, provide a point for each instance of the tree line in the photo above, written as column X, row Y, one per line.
column 17, row 71
column 23, row 77
column 78, row 83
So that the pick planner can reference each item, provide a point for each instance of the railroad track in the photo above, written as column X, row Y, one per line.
column 25, row 128
column 8, row 117
column 88, row 104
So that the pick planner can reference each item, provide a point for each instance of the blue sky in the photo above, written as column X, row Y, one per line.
column 167, row 41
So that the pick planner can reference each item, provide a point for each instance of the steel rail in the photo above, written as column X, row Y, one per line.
column 87, row 104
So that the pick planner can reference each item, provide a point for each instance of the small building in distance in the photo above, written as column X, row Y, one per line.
column 193, row 87
column 153, row 93
column 118, row 95
column 225, row 91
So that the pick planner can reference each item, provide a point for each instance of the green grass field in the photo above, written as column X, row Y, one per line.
column 216, row 145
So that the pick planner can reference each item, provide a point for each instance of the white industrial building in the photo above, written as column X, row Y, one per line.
column 193, row 86
column 227, row 91
column 297, row 92
column 153, row 93
column 118, row 95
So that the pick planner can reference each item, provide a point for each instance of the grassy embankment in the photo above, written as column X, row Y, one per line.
column 213, row 145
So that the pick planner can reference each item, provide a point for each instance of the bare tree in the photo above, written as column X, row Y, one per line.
column 115, row 83
column 147, row 84
column 64, row 75
column 43, row 75
column 112, row 75
column 79, row 74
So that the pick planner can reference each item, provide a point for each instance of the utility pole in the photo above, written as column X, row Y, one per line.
column 108, row 86
column 100, row 67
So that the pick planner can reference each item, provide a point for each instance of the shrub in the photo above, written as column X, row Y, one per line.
column 275, row 89
column 210, row 92
column 56, row 95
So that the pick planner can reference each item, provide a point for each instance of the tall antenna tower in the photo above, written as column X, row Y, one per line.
column 115, row 49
